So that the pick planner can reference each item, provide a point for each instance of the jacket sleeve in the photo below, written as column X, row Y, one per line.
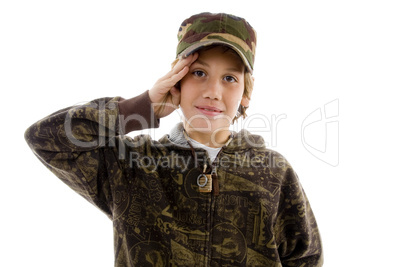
column 78, row 144
column 296, row 232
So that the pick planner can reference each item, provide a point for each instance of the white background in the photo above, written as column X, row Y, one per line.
column 54, row 54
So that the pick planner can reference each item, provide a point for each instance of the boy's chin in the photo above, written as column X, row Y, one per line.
column 206, row 127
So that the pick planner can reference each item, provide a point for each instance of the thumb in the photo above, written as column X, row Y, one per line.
column 175, row 96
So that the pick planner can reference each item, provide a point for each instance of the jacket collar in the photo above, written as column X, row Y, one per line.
column 176, row 136
column 241, row 141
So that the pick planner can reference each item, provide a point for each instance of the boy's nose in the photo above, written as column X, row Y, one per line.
column 213, row 90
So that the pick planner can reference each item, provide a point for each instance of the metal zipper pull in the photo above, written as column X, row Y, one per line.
column 204, row 181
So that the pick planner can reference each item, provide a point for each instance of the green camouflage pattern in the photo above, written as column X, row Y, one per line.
column 261, row 216
column 207, row 28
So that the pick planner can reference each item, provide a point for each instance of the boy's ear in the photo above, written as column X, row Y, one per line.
column 245, row 101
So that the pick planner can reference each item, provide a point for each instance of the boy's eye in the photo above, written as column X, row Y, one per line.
column 230, row 79
column 199, row 73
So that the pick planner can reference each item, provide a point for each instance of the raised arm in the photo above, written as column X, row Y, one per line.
column 79, row 144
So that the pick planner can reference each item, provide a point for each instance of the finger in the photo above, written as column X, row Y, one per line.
column 182, row 68
column 177, row 77
column 183, row 62
column 178, row 74
column 175, row 70
column 170, row 82
column 187, row 61
column 193, row 59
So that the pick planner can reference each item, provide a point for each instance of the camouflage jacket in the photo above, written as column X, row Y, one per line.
column 257, row 214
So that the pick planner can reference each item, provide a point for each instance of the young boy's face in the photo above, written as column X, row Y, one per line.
column 212, row 90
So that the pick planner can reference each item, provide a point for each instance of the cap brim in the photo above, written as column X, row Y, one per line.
column 193, row 48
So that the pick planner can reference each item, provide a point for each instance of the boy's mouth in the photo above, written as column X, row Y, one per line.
column 208, row 110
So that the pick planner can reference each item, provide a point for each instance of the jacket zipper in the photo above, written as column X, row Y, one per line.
column 214, row 174
column 215, row 188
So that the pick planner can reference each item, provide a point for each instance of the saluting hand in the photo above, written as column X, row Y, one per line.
column 165, row 90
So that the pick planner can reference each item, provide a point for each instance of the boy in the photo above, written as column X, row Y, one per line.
column 202, row 195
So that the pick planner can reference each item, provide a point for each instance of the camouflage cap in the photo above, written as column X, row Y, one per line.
column 206, row 29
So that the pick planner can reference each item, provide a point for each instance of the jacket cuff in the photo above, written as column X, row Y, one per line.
column 137, row 113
